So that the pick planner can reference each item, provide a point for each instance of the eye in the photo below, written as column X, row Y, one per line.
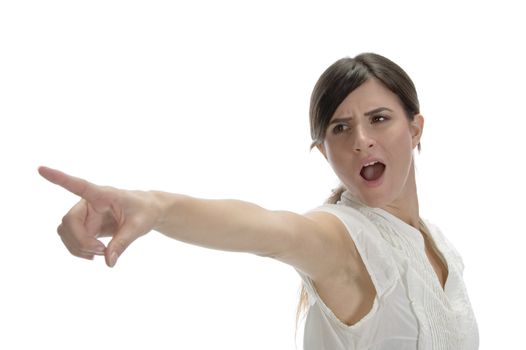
column 338, row 129
column 379, row 116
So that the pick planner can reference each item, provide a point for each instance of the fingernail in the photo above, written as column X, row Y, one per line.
column 113, row 258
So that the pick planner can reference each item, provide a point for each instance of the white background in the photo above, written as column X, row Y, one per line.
column 211, row 99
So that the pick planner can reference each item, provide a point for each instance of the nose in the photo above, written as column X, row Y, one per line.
column 362, row 140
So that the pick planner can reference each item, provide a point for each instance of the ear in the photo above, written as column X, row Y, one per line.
column 321, row 148
column 417, row 128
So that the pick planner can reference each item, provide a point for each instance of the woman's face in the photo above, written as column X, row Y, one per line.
column 371, row 122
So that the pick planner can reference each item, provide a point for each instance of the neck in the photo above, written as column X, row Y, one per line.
column 405, row 207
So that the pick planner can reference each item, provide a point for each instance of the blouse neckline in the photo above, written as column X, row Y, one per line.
column 347, row 198
column 418, row 237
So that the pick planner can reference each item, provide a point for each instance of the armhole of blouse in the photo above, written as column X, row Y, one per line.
column 368, row 244
column 382, row 275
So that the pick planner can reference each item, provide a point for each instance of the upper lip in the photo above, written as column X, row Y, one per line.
column 369, row 160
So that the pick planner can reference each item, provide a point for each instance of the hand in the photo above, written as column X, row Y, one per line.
column 102, row 211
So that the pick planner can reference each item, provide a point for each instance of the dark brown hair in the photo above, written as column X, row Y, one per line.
column 334, row 85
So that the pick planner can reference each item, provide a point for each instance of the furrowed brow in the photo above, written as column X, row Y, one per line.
column 377, row 110
column 374, row 111
column 337, row 120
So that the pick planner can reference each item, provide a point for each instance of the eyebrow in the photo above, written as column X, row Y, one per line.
column 374, row 111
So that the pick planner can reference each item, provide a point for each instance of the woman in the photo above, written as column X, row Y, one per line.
column 375, row 274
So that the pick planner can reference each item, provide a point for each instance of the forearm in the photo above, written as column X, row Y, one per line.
column 223, row 224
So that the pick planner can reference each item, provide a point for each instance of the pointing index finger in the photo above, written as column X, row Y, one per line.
column 78, row 186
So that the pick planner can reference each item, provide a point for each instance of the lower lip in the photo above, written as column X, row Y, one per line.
column 376, row 182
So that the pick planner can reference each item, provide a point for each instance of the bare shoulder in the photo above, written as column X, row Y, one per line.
column 319, row 244
column 338, row 237
column 330, row 222
column 323, row 247
column 347, row 288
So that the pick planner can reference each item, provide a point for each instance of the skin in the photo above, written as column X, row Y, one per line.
column 392, row 139
column 390, row 136
column 300, row 241
column 227, row 224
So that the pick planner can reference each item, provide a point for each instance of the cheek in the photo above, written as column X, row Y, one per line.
column 401, row 142
column 337, row 159
column 342, row 164
column 400, row 158
column 338, row 155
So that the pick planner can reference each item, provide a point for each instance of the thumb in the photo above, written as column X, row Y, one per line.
column 118, row 245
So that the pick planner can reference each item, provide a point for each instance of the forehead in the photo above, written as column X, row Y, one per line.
column 368, row 96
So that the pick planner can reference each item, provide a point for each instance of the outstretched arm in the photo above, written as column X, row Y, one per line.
column 224, row 224
column 317, row 244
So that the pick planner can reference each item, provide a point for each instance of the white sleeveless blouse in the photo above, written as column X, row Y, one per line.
column 411, row 310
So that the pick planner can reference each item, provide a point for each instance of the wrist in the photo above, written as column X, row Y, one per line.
column 164, row 204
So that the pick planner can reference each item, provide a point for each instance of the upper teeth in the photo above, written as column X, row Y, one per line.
column 372, row 163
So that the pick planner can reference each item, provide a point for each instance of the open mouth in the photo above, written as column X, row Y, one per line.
column 373, row 172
